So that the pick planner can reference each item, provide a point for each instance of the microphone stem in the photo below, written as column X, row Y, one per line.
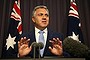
column 34, row 53
column 39, row 52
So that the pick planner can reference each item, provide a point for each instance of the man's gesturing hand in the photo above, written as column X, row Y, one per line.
column 56, row 46
column 23, row 47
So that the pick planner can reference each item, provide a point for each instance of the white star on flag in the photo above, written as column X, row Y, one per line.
column 75, row 37
column 10, row 42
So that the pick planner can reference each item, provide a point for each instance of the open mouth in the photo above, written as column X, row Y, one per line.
column 44, row 21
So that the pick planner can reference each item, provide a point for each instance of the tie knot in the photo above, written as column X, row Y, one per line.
column 41, row 32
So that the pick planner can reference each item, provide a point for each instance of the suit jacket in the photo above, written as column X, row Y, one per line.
column 50, row 36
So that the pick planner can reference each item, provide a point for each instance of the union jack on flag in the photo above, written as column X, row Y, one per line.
column 16, row 15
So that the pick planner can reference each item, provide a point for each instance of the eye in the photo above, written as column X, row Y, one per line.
column 46, row 15
column 40, row 14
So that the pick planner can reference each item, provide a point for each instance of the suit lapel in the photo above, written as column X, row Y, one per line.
column 47, row 51
column 33, row 39
column 32, row 36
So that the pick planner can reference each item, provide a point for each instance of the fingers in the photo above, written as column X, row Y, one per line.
column 56, row 41
column 30, row 47
column 23, row 41
column 50, row 48
column 24, row 46
column 24, row 50
column 55, row 48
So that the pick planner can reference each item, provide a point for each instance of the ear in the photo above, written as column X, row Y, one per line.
column 33, row 19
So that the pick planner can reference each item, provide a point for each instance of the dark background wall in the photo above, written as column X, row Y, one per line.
column 58, row 16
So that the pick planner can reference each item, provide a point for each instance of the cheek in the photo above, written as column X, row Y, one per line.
column 48, row 20
column 38, row 21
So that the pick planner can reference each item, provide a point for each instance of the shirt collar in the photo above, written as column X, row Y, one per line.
column 37, row 30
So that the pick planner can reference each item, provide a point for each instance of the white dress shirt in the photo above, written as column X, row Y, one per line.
column 37, row 34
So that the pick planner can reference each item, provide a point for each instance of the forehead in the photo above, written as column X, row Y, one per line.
column 41, row 10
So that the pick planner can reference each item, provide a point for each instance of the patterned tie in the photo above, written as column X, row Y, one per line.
column 41, row 39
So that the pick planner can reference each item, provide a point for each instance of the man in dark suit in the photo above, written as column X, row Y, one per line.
column 52, row 40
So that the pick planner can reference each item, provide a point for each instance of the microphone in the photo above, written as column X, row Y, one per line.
column 75, row 48
column 34, row 45
column 40, row 45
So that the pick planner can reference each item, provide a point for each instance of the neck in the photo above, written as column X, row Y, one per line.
column 40, row 28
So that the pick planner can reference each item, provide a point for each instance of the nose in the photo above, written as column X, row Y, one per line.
column 43, row 18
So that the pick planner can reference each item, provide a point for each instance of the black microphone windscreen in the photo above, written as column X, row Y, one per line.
column 75, row 48
column 41, row 45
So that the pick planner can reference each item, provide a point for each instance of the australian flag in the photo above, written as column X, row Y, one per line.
column 14, row 29
column 74, row 26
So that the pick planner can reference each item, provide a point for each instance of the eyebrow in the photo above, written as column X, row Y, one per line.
column 43, row 14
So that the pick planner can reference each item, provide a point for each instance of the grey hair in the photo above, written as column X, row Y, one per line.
column 37, row 7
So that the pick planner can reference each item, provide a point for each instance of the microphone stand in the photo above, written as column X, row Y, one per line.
column 34, row 45
column 39, row 52
column 40, row 46
column 34, row 52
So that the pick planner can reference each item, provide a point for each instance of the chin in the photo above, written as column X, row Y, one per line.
column 43, row 27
